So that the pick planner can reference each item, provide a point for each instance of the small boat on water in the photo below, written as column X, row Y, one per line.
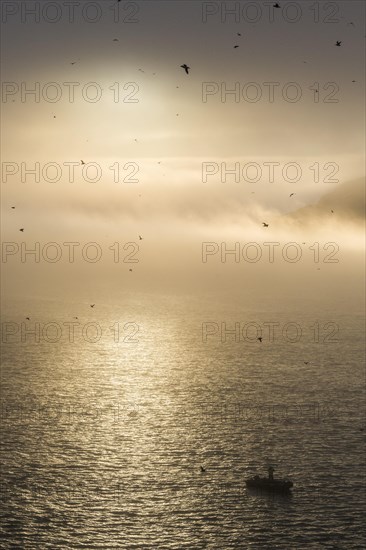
column 269, row 483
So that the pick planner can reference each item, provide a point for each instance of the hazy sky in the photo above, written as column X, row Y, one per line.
column 174, row 141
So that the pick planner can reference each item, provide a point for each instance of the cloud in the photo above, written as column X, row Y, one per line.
column 347, row 202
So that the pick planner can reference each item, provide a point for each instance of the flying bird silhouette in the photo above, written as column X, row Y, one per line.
column 185, row 67
column 202, row 469
column 28, row 318
column 140, row 237
column 276, row 5
column 130, row 270
column 338, row 43
column 236, row 47
column 238, row 33
column 22, row 229
column 306, row 362
column 13, row 207
column 92, row 305
column 292, row 194
column 82, row 162
column 260, row 338
column 115, row 40
column 265, row 224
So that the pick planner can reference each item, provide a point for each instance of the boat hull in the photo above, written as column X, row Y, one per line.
column 276, row 485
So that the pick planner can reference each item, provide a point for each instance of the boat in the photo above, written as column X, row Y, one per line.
column 269, row 483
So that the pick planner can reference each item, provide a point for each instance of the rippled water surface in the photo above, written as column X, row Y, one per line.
column 103, row 441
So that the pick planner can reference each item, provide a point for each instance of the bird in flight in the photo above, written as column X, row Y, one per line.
column 115, row 40
column 292, row 194
column 260, row 338
column 28, row 318
column 76, row 317
column 140, row 237
column 238, row 33
column 13, row 207
column 306, row 362
column 72, row 62
column 265, row 224
column 185, row 67
column 202, row 469
column 82, row 162
column 22, row 229
column 276, row 5
column 92, row 305
column 236, row 46
column 130, row 270
column 338, row 43
column 332, row 211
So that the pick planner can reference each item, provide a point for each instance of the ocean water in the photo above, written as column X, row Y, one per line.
column 104, row 432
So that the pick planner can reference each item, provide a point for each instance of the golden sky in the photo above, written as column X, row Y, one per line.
column 174, row 145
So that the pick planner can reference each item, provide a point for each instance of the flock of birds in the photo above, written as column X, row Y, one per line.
column 187, row 69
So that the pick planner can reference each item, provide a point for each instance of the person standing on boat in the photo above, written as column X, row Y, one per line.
column 270, row 473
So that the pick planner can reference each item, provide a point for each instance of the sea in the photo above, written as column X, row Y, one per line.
column 133, row 423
